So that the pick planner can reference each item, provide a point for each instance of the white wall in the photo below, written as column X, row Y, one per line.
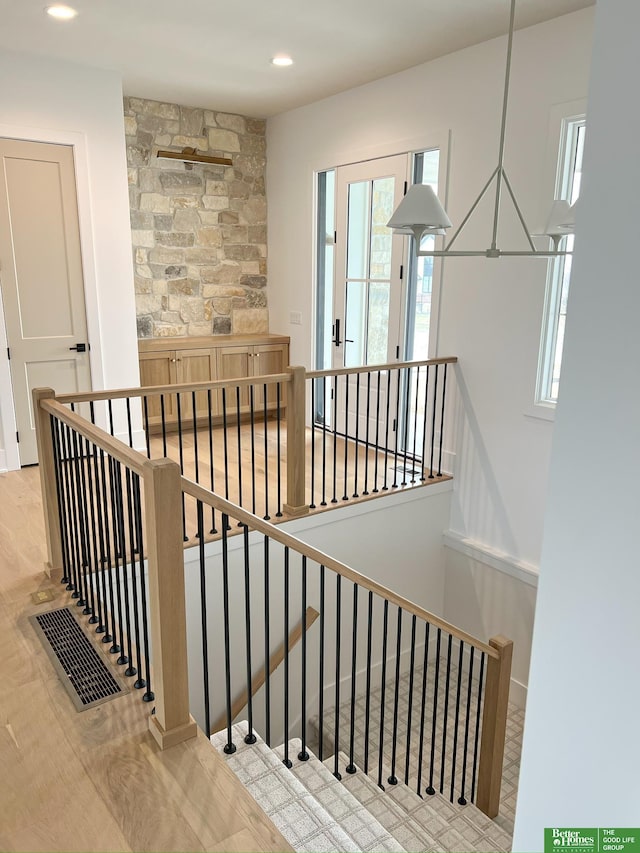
column 491, row 310
column 49, row 100
column 581, row 747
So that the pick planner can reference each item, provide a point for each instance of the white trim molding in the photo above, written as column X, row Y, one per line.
column 499, row 560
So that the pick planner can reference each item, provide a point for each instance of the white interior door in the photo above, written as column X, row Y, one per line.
column 368, row 294
column 41, row 277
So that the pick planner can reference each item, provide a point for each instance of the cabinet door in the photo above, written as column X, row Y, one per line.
column 235, row 363
column 196, row 365
column 159, row 368
column 269, row 359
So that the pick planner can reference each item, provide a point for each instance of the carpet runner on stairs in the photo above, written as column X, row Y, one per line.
column 315, row 811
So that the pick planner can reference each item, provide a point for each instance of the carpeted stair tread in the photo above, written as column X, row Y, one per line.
column 458, row 828
column 335, row 798
column 293, row 810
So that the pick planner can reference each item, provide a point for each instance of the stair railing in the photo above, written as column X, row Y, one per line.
column 343, row 689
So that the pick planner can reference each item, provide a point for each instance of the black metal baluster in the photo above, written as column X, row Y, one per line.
column 367, row 707
column 132, row 670
column 140, row 682
column 433, row 421
column 445, row 715
column 365, row 491
column 125, row 655
column 324, row 441
column 383, row 686
column 203, row 619
column 129, row 427
column 266, row 455
column 377, row 445
column 109, row 540
column 303, row 755
column 436, row 684
column 312, row 504
column 456, row 722
column 287, row 761
column 250, row 736
column 100, row 564
column 253, row 449
column 267, row 646
column 61, row 497
column 351, row 767
column 345, row 496
column 147, row 428
column 94, row 587
column 397, row 432
column 424, row 425
column 356, row 445
column 239, row 447
column 412, row 662
column 425, row 669
column 476, row 742
column 196, row 460
column 385, row 487
column 444, row 391
column 279, row 449
column 181, row 454
column 334, row 391
column 211, row 466
column 230, row 747
column 461, row 799
column 225, row 442
column 393, row 779
column 115, row 568
column 405, row 440
column 164, row 426
column 82, row 555
column 110, row 410
column 336, row 712
column 415, row 427
column 74, row 582
column 321, row 669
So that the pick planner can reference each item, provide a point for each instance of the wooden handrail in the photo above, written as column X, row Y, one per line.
column 155, row 390
column 259, row 678
column 374, row 368
column 113, row 446
column 276, row 533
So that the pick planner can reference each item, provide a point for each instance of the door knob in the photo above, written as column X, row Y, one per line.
column 79, row 348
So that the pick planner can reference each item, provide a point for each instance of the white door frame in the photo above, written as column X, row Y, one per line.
column 436, row 138
column 78, row 142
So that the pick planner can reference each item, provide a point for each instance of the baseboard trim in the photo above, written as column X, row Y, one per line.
column 3, row 462
column 502, row 562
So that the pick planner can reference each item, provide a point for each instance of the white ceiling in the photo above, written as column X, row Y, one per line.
column 216, row 54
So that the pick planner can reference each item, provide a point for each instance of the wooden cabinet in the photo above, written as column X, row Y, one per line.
column 206, row 359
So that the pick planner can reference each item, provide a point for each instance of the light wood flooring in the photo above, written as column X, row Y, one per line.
column 255, row 474
column 94, row 780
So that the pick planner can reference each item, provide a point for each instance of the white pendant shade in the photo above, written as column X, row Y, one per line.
column 419, row 213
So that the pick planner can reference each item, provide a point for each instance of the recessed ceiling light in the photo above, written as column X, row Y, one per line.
column 61, row 12
column 282, row 60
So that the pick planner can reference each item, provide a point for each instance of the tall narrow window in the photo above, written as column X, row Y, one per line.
column 420, row 279
column 559, row 275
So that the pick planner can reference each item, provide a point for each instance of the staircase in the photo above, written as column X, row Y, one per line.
column 315, row 811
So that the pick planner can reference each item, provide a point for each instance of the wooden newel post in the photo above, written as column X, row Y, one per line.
column 494, row 725
column 46, row 464
column 171, row 723
column 296, row 450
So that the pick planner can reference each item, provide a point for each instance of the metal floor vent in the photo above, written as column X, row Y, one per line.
column 80, row 667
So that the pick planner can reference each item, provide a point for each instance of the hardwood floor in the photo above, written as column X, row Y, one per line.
column 94, row 780
column 255, row 472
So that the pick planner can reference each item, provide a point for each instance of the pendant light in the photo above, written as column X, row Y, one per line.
column 420, row 212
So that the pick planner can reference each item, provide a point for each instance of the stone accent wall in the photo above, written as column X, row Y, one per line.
column 199, row 231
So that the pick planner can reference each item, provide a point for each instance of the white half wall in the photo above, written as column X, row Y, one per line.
column 53, row 101
column 491, row 311
column 581, row 747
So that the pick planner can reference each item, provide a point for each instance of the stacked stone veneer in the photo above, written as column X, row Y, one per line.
column 199, row 231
